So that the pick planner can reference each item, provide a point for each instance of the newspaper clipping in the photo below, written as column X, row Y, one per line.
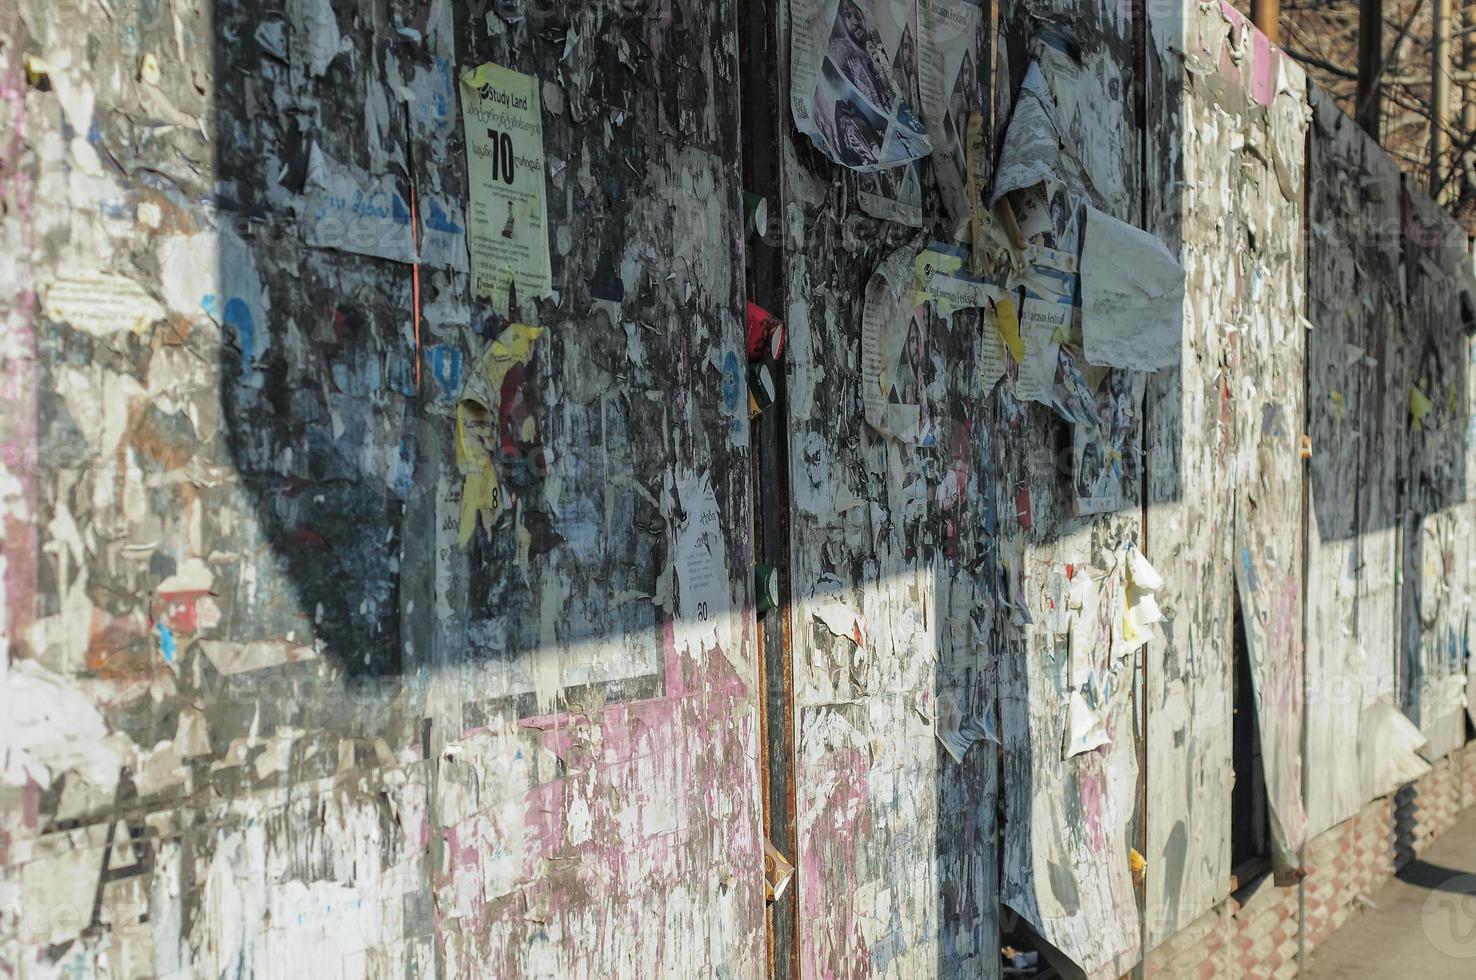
column 846, row 57
column 896, row 193
column 952, row 88
column 894, row 338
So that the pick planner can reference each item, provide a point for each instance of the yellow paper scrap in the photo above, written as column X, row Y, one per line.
column 1008, row 322
column 477, row 422
column 1419, row 407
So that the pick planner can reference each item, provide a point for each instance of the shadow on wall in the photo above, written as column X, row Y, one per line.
column 339, row 388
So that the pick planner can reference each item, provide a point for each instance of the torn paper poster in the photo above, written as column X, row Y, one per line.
column 842, row 620
column 704, row 606
column 494, row 422
column 101, row 304
column 508, row 215
column 845, row 57
column 838, row 616
column 993, row 362
column 1087, row 624
column 1141, row 610
column 355, row 212
column 1389, row 747
column 958, row 727
column 1031, row 153
column 894, row 362
column 1132, row 297
column 1104, row 449
column 952, row 91
column 1084, row 729
column 47, row 728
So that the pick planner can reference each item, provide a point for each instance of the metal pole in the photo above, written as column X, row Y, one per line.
column 1266, row 15
column 1370, row 63
column 1439, row 95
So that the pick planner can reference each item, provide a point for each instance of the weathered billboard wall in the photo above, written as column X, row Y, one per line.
column 358, row 624
column 275, row 702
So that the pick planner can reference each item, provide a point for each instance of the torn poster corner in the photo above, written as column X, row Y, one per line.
column 1389, row 747
column 1132, row 297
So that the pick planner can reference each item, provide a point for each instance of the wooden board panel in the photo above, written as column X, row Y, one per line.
column 1356, row 430
column 1070, row 822
column 897, row 840
column 1436, row 516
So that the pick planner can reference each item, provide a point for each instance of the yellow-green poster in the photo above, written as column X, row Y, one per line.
column 507, row 220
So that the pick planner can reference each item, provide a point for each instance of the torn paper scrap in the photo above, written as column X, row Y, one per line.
column 1007, row 321
column 1104, row 451
column 47, row 728
column 1084, row 728
column 1419, row 407
column 1389, row 747
column 838, row 617
column 507, row 219
column 442, row 234
column 842, row 620
column 231, row 658
column 704, row 613
column 777, row 872
column 492, row 415
column 355, row 212
column 1032, row 146
column 958, row 728
column 316, row 39
column 1044, row 322
column 1132, row 297
column 101, row 304
column 845, row 59
column 940, row 280
column 1141, row 610
column 993, row 364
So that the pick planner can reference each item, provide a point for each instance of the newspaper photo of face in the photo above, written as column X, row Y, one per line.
column 859, row 131
column 852, row 23
column 857, row 67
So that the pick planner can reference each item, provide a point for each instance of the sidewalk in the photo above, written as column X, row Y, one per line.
column 1425, row 922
